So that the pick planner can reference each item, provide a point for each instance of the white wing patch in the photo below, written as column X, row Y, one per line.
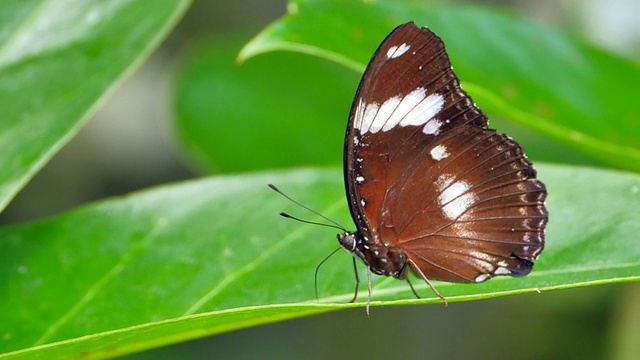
column 455, row 199
column 502, row 271
column 385, row 113
column 370, row 112
column 432, row 127
column 396, row 51
column 439, row 152
column 414, row 109
column 424, row 111
column 407, row 105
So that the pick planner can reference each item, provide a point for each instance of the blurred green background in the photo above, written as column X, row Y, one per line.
column 137, row 139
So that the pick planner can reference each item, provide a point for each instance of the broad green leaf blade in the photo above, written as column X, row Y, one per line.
column 58, row 60
column 572, row 93
column 279, row 110
column 137, row 338
column 131, row 273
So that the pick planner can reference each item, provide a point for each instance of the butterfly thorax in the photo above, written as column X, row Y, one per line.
column 381, row 259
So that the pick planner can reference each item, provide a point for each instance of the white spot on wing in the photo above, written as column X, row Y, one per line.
column 414, row 109
column 396, row 51
column 432, row 127
column 367, row 117
column 452, row 192
column 360, row 111
column 384, row 113
column 502, row 268
column 455, row 199
column 405, row 106
column 482, row 278
column 439, row 152
column 424, row 111
column 482, row 260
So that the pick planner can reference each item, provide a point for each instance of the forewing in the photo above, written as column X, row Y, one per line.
column 407, row 97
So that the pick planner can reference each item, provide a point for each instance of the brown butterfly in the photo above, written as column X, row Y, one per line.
column 431, row 188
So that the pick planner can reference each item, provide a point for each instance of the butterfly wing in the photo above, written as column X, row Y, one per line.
column 424, row 173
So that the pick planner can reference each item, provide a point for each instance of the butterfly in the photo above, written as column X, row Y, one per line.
column 431, row 189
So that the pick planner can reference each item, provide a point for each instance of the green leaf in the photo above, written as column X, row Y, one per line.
column 280, row 110
column 58, row 61
column 578, row 96
column 208, row 256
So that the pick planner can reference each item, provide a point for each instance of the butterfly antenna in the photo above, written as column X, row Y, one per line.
column 283, row 214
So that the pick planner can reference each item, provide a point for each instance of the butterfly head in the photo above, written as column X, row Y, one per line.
column 348, row 242
column 381, row 259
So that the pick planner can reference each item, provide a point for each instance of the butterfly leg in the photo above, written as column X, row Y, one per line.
column 322, row 262
column 412, row 289
column 355, row 271
column 419, row 272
